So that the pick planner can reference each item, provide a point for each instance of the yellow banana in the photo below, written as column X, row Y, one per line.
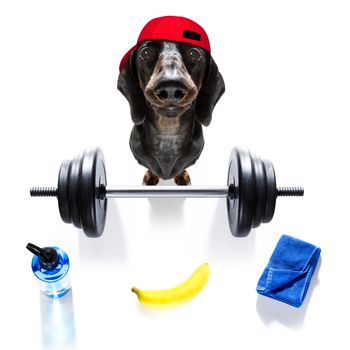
column 178, row 295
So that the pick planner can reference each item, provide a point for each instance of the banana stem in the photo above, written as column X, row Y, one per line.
column 135, row 290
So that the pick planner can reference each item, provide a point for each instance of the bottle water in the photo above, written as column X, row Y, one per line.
column 50, row 266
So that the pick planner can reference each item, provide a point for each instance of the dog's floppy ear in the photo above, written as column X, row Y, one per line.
column 209, row 94
column 128, row 85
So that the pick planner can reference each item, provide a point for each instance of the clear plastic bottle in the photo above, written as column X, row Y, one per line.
column 50, row 266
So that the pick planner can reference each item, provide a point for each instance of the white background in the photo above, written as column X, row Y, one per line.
column 287, row 73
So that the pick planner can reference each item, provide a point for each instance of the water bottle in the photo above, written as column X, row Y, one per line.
column 50, row 266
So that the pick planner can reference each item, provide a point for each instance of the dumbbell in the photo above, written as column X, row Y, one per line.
column 82, row 192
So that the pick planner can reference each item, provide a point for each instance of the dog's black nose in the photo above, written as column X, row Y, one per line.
column 171, row 91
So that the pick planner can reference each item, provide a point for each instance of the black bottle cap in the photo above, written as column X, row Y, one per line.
column 48, row 256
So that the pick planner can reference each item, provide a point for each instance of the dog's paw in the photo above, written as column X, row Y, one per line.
column 150, row 179
column 183, row 179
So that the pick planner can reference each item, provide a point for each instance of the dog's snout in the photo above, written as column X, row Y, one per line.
column 171, row 92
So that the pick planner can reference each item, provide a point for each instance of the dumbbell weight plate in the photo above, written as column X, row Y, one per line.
column 271, row 191
column 241, row 205
column 74, row 174
column 260, row 190
column 62, row 192
column 93, row 208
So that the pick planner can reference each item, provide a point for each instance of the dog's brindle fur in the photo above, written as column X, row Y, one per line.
column 172, row 89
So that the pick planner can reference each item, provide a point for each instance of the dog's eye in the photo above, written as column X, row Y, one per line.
column 193, row 55
column 146, row 54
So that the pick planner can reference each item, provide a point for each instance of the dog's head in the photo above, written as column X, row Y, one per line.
column 170, row 77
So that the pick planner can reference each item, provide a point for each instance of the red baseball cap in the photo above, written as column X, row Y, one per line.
column 171, row 28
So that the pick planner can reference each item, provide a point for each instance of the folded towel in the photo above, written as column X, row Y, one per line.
column 288, row 274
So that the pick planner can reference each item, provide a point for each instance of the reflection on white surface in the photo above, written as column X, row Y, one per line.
column 224, row 246
column 167, row 213
column 110, row 247
column 57, row 322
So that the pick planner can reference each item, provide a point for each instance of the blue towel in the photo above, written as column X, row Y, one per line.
column 287, row 275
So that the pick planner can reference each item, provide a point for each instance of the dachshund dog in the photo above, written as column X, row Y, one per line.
column 172, row 88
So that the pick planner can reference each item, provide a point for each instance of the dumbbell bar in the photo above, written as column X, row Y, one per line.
column 82, row 192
